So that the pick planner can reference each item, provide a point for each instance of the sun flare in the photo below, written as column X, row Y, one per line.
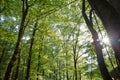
column 106, row 40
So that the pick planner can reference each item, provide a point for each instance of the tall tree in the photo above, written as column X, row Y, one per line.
column 30, row 50
column 57, row 46
column 75, row 52
column 98, row 47
column 25, row 8
column 111, row 20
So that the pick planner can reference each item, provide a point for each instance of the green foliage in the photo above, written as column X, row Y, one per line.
column 60, row 25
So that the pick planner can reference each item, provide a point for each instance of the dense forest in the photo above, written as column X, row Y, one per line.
column 59, row 40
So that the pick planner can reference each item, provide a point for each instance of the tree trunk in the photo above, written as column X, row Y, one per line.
column 38, row 67
column 115, row 4
column 75, row 62
column 115, row 74
column 75, row 55
column 30, row 51
column 43, row 74
column 75, row 69
column 80, row 77
column 39, row 56
column 111, row 21
column 2, row 55
column 18, row 44
column 98, row 47
column 17, row 69
column 67, row 74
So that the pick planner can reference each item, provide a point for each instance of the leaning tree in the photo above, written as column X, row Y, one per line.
column 109, row 13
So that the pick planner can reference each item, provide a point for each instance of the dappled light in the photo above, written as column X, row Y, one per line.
column 59, row 40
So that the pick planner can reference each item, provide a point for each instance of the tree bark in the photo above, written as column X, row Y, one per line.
column 75, row 57
column 2, row 55
column 30, row 51
column 98, row 47
column 80, row 77
column 18, row 44
column 115, row 4
column 111, row 21
column 38, row 67
column 39, row 56
column 67, row 74
column 17, row 69
column 66, row 53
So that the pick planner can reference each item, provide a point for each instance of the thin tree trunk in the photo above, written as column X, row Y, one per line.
column 2, row 55
column 30, row 51
column 39, row 56
column 18, row 44
column 80, row 77
column 98, row 47
column 38, row 67
column 43, row 74
column 67, row 74
column 17, row 69
column 75, row 65
column 75, row 57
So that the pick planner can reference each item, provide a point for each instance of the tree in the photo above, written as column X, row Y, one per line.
column 15, row 56
column 60, row 46
column 30, row 50
column 110, row 22
column 98, row 47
